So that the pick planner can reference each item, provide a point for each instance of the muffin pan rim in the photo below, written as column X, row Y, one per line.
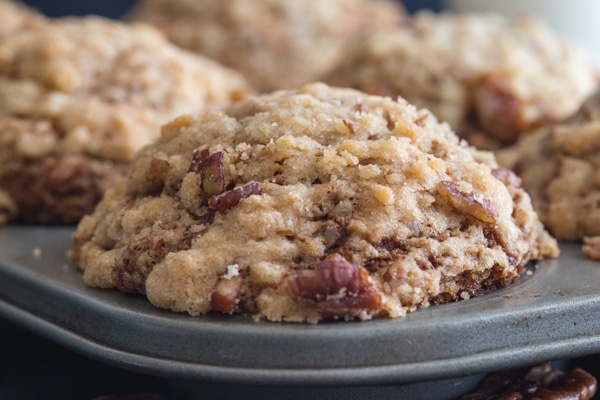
column 552, row 313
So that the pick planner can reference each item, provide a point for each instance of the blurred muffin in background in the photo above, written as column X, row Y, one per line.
column 15, row 16
column 560, row 167
column 78, row 97
column 274, row 43
column 536, row 382
column 577, row 21
column 490, row 78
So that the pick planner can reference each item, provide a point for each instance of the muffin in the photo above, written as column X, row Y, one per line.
column 275, row 43
column 490, row 78
column 559, row 166
column 310, row 204
column 78, row 97
column 15, row 16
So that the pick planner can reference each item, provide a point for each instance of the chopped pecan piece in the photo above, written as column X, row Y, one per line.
column 350, row 306
column 213, row 175
column 199, row 159
column 339, row 288
column 495, row 238
column 351, row 127
column 540, row 382
column 226, row 201
column 422, row 120
column 155, row 175
column 506, row 176
column 499, row 109
column 225, row 296
column 466, row 203
column 211, row 170
column 330, row 277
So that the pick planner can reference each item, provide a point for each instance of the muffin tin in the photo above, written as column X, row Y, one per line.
column 552, row 313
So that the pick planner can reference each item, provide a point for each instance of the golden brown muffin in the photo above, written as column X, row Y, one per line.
column 274, row 43
column 490, row 78
column 78, row 97
column 15, row 16
column 310, row 204
column 560, row 168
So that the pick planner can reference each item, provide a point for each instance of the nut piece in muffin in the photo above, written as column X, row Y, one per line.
column 490, row 78
column 275, row 43
column 537, row 382
column 15, row 16
column 560, row 168
column 310, row 204
column 78, row 97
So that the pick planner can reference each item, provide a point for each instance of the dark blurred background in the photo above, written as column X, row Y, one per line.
column 115, row 8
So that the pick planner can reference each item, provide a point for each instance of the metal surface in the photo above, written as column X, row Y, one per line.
column 552, row 314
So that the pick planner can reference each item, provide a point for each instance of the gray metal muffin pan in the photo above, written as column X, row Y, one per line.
column 550, row 314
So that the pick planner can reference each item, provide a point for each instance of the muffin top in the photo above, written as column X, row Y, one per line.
column 274, row 43
column 99, row 87
column 489, row 77
column 535, row 382
column 15, row 16
column 559, row 166
column 310, row 204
